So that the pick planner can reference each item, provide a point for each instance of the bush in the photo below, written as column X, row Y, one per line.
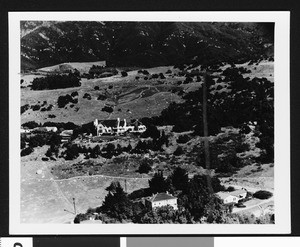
column 262, row 194
column 62, row 101
column 178, row 151
column 230, row 189
column 35, row 107
column 96, row 88
column 26, row 151
column 30, row 124
column 107, row 109
column 183, row 139
column 124, row 74
column 74, row 94
column 24, row 108
column 161, row 75
column 145, row 166
column 87, row 96
column 102, row 97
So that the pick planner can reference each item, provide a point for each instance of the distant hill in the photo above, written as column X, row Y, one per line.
column 142, row 43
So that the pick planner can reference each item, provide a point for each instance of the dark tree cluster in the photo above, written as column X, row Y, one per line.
column 107, row 109
column 24, row 108
column 38, row 140
column 97, row 71
column 195, row 201
column 55, row 82
column 87, row 96
column 63, row 100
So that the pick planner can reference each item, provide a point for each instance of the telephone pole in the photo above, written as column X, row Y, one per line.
column 205, row 131
column 74, row 206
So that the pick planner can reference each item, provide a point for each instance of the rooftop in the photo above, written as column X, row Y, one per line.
column 237, row 192
column 162, row 197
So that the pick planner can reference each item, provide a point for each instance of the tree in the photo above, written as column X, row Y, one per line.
column 116, row 203
column 179, row 178
column 124, row 74
column 152, row 132
column 145, row 166
column 215, row 210
column 262, row 194
column 158, row 183
column 196, row 197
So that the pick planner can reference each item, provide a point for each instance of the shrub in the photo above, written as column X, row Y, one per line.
column 87, row 96
column 107, row 109
column 262, row 194
column 102, row 97
column 224, row 167
column 26, row 151
column 124, row 74
column 35, row 107
column 183, row 139
column 152, row 132
column 24, row 108
column 230, row 188
column 161, row 75
column 74, row 94
column 145, row 166
column 96, row 88
column 178, row 151
column 30, row 124
column 62, row 101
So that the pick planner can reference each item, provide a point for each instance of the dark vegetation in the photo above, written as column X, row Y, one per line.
column 195, row 202
column 55, row 81
column 247, row 101
column 29, row 142
column 107, row 109
column 63, row 100
column 97, row 71
column 262, row 194
column 122, row 43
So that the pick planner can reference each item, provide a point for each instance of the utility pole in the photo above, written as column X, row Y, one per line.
column 74, row 206
column 205, row 131
column 125, row 185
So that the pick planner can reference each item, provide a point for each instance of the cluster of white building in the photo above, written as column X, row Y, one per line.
column 117, row 127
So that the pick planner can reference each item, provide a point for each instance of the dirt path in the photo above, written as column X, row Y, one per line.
column 85, row 176
column 269, row 201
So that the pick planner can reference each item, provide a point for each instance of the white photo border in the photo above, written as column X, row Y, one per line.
column 282, row 124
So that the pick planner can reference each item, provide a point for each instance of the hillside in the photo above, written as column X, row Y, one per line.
column 141, row 44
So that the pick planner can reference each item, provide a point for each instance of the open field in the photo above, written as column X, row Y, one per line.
column 44, row 199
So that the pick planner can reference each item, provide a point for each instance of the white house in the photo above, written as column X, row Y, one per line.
column 227, row 198
column 240, row 194
column 117, row 127
column 162, row 199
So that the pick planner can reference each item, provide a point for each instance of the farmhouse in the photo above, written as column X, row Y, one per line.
column 227, row 198
column 117, row 127
column 162, row 199
column 240, row 194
